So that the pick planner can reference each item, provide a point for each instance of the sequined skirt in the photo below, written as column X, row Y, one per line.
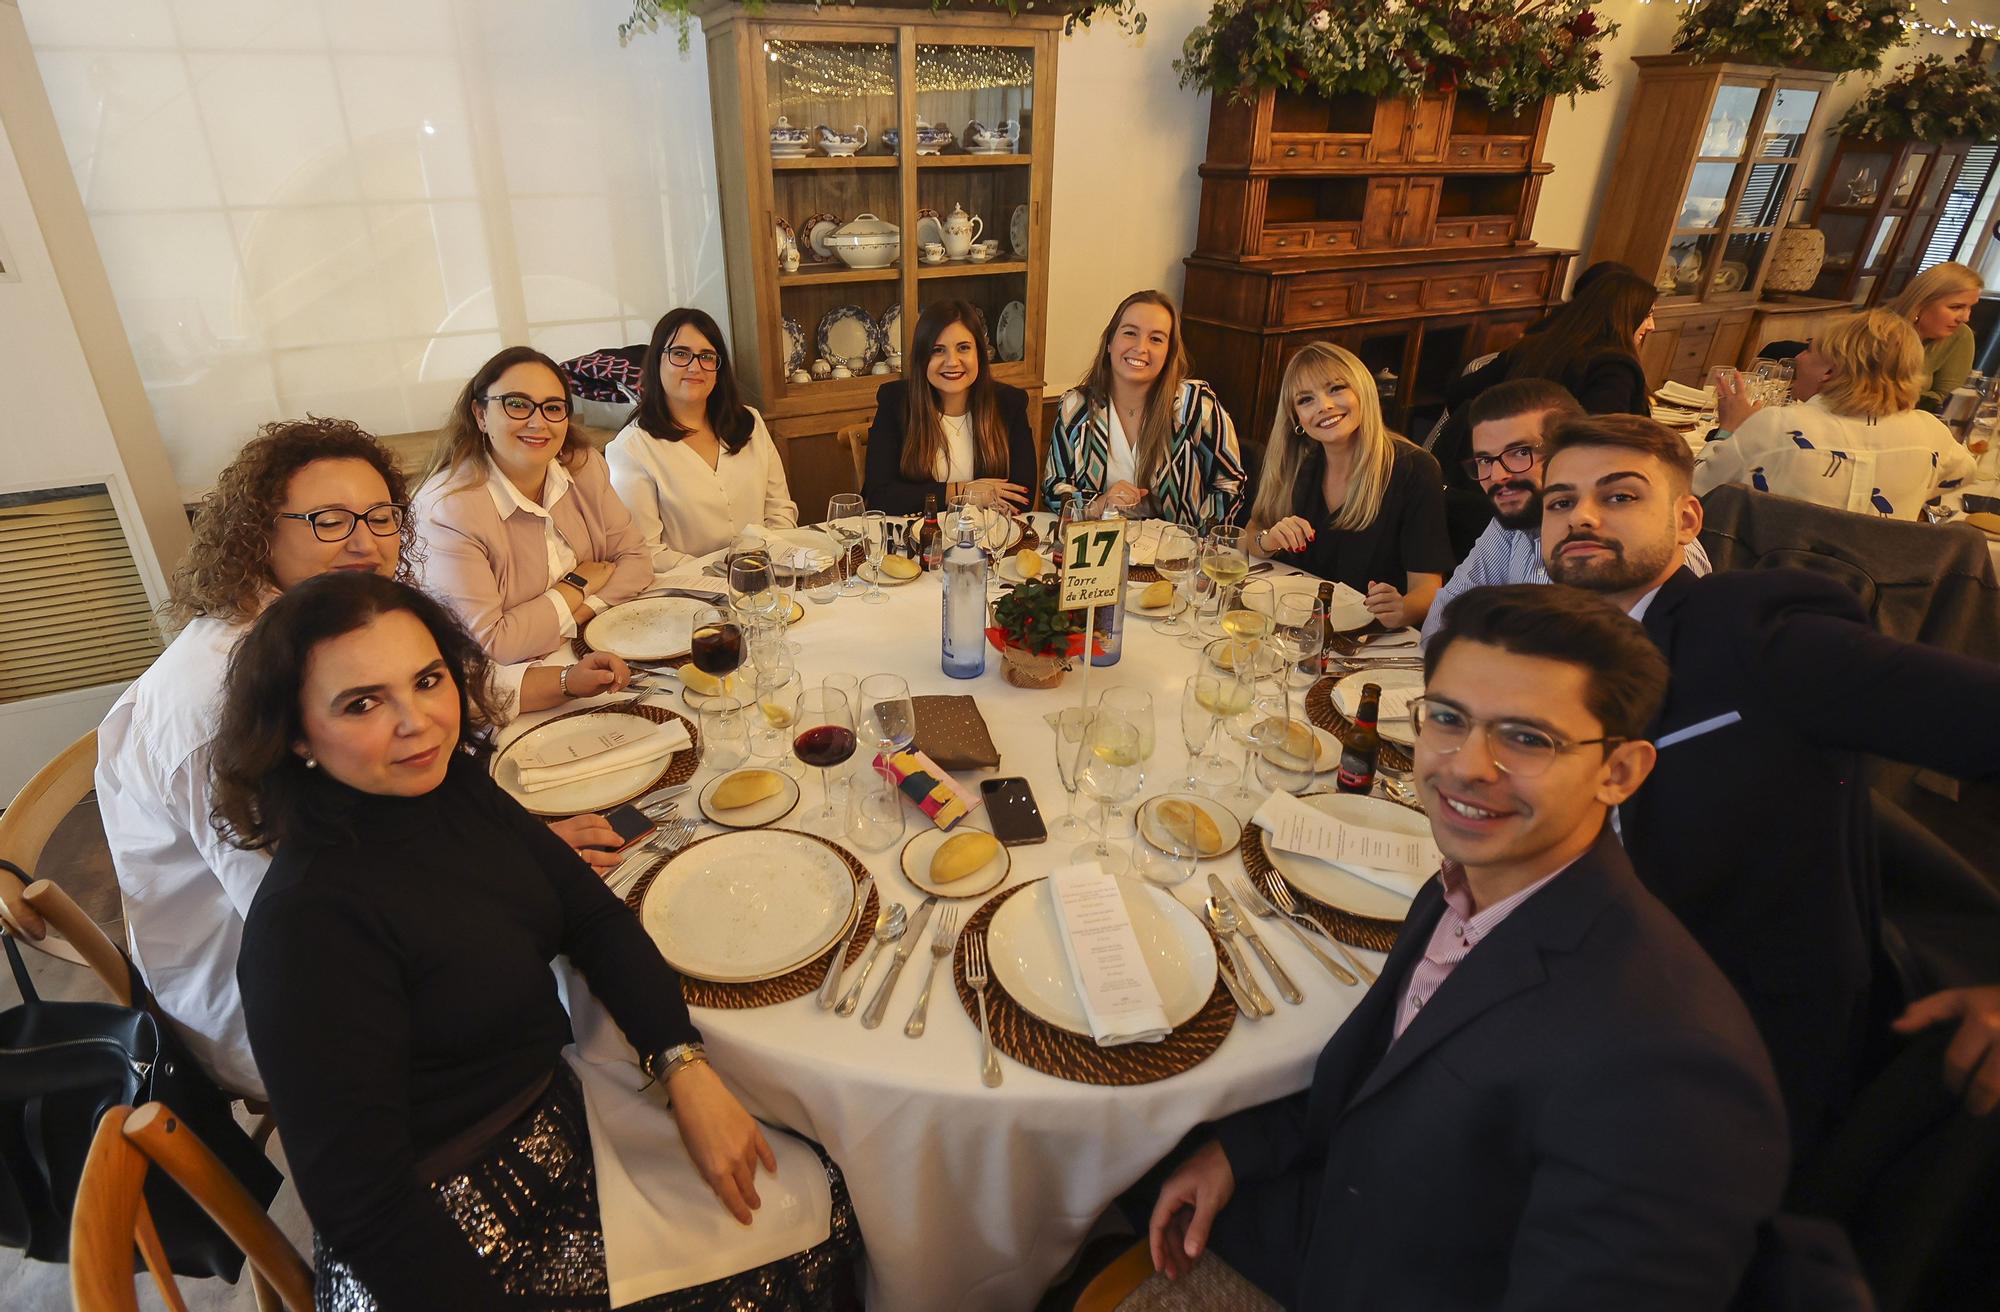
column 528, row 1210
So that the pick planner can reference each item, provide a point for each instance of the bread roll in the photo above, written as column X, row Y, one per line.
column 962, row 854
column 900, row 567
column 1157, row 595
column 1187, row 822
column 697, row 680
column 744, row 788
column 1029, row 562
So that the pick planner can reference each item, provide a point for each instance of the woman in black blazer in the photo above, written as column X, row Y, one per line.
column 957, row 430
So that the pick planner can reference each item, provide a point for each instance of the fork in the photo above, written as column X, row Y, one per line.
column 941, row 941
column 673, row 836
column 1282, row 896
column 976, row 976
column 1247, row 894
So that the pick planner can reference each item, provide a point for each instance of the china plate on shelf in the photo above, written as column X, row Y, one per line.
column 1730, row 276
column 1337, row 886
column 849, row 336
column 592, row 794
column 1017, row 231
column 892, row 330
column 1010, row 338
column 795, row 345
column 782, row 233
column 649, row 629
column 748, row 905
column 928, row 227
column 1025, row 944
column 1399, row 689
column 813, row 234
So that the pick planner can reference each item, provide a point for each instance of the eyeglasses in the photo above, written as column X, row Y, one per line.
column 1515, row 459
column 519, row 406
column 1519, row 749
column 681, row 357
column 384, row 521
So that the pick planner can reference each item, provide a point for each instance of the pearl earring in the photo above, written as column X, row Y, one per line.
column 311, row 762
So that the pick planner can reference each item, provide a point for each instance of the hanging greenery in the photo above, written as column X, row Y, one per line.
column 647, row 15
column 1929, row 99
column 1839, row 36
column 1513, row 52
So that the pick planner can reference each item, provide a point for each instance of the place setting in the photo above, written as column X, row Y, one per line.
column 1352, row 862
column 596, row 758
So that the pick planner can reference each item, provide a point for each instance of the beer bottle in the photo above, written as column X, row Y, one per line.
column 930, row 538
column 1357, row 754
column 1325, row 627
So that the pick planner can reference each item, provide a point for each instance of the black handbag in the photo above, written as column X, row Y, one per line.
column 62, row 1066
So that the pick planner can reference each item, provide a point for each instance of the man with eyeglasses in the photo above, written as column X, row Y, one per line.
column 1509, row 422
column 1550, row 1097
column 1755, row 827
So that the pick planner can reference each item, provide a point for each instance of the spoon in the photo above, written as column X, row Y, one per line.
column 887, row 932
column 1249, row 998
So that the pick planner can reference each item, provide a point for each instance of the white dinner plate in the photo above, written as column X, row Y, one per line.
column 1399, row 687
column 758, row 814
column 1155, row 833
column 639, row 630
column 1025, row 944
column 867, row 575
column 592, row 794
column 749, row 905
column 1336, row 885
column 1329, row 751
column 917, row 854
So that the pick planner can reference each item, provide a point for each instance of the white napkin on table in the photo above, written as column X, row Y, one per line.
column 614, row 749
column 1400, row 863
column 1120, row 999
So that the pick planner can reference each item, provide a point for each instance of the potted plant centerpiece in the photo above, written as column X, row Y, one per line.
column 1839, row 36
column 1037, row 639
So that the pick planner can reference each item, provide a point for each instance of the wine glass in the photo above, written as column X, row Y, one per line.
column 750, row 579
column 1287, row 753
column 1225, row 561
column 1069, row 725
column 875, row 537
column 1299, row 630
column 887, row 715
column 777, row 693
column 717, row 644
column 1108, row 771
column 1243, row 727
column 843, row 522
column 1174, row 557
column 1136, row 705
column 1246, row 612
column 1205, row 700
column 825, row 741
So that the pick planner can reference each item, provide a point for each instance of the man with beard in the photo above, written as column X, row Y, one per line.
column 1755, row 825
column 1509, row 422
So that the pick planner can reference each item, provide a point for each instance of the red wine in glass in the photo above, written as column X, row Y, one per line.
column 717, row 649
column 824, row 745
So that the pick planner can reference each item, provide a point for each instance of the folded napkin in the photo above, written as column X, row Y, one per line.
column 614, row 749
column 802, row 560
column 1120, row 999
column 1678, row 393
column 924, row 782
column 952, row 732
column 1401, row 863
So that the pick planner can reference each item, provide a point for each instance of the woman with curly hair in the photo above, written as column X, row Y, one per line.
column 396, row 977
column 301, row 499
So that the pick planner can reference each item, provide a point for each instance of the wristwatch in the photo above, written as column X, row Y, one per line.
column 577, row 581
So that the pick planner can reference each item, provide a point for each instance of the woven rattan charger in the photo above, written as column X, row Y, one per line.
column 1035, row 1043
column 769, row 992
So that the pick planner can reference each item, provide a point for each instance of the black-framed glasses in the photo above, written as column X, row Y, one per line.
column 680, row 357
column 1517, row 748
column 519, row 405
column 335, row 525
column 1516, row 459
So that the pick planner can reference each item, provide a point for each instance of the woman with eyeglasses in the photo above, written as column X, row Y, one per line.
column 524, row 536
column 696, row 466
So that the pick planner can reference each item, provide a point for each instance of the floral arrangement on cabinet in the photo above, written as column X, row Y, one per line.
column 1513, row 52
column 1930, row 99
column 1834, row 35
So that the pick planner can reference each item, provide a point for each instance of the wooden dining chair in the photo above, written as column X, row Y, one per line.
column 855, row 438
column 111, row 1217
column 32, row 909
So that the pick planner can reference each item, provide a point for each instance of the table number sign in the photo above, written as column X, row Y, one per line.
column 1091, row 576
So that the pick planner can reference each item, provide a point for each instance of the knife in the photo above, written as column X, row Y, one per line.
column 659, row 795
column 830, row 987
column 1289, row 990
column 912, row 939
column 694, row 594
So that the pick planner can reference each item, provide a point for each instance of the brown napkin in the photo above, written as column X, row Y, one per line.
column 952, row 732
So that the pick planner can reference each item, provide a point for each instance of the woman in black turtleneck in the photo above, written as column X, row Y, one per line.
column 396, row 982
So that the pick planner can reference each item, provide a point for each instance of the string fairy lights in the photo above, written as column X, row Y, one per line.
column 1971, row 29
column 846, row 70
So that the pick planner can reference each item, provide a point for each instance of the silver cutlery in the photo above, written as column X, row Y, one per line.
column 941, row 942
column 831, row 984
column 976, row 976
column 1282, row 896
column 693, row 594
column 1243, row 1003
column 673, row 836
column 1260, row 907
column 660, row 795
column 1224, row 923
column 912, row 939
column 887, row 931
column 1286, row 988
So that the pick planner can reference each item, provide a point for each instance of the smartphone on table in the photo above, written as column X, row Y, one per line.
column 631, row 823
column 1011, row 810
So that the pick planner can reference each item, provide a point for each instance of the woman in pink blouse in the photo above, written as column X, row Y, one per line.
column 522, row 533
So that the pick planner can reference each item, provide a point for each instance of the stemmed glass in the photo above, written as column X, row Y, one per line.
column 1243, row 727
column 887, row 715
column 842, row 510
column 1069, row 725
column 1225, row 561
column 875, row 531
column 1173, row 557
column 1206, row 700
column 827, row 740
column 1108, row 771
column 1287, row 753
column 1298, row 634
column 717, row 644
column 750, row 578
column 777, row 709
column 1135, row 705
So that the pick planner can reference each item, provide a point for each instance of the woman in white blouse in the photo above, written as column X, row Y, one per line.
column 696, row 466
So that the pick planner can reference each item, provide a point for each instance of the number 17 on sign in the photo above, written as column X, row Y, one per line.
column 1092, row 574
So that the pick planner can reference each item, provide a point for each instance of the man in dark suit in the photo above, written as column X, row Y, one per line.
column 1754, row 827
column 1551, row 1097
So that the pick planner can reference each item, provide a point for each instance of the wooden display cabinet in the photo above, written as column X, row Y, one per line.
column 1879, row 205
column 885, row 70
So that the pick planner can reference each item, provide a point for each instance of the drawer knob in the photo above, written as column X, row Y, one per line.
column 1389, row 296
column 1291, row 151
column 1315, row 304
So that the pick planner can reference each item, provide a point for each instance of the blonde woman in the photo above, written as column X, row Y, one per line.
column 524, row 536
column 1856, row 441
column 1137, row 434
column 1937, row 304
column 1343, row 497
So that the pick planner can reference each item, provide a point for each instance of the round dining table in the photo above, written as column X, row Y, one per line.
column 972, row 1197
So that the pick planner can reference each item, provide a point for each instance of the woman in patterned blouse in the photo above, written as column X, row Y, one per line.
column 1140, row 436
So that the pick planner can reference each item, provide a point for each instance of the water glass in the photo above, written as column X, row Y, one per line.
column 1205, row 700
column 1299, row 632
column 1164, row 859
column 1069, row 725
column 725, row 733
column 1287, row 752
column 874, row 810
column 875, row 530
column 823, row 581
column 1109, row 770
column 1136, row 705
column 1174, row 558
column 843, row 522
column 777, row 708
column 888, row 717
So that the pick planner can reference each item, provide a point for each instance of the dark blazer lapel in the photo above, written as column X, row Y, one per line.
column 1659, row 619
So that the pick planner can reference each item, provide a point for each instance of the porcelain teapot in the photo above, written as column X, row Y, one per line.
column 994, row 140
column 960, row 231
column 838, row 144
column 787, row 140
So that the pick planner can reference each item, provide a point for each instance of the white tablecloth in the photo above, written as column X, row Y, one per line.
column 969, row 1197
